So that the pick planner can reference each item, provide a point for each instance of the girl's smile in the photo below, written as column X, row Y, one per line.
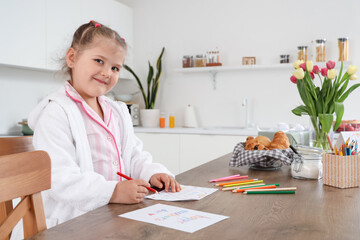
column 95, row 69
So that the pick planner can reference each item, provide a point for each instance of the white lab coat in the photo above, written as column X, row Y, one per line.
column 75, row 187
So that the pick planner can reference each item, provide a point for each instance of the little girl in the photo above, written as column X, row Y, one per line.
column 89, row 137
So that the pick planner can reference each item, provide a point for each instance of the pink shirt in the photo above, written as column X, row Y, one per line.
column 103, row 135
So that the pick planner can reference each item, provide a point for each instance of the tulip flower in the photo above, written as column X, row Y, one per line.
column 353, row 77
column 297, row 64
column 302, row 66
column 324, row 72
column 309, row 66
column 316, row 69
column 312, row 75
column 331, row 74
column 293, row 79
column 330, row 64
column 299, row 73
column 352, row 69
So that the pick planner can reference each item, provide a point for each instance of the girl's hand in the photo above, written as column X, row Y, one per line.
column 158, row 180
column 130, row 191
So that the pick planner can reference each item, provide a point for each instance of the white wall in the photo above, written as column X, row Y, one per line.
column 260, row 28
column 20, row 91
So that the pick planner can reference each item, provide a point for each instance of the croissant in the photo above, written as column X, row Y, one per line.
column 280, row 141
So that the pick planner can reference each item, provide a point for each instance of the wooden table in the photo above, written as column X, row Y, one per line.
column 316, row 211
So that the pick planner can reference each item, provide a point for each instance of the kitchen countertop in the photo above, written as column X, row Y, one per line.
column 234, row 131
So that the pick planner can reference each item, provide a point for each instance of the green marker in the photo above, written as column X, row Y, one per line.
column 270, row 192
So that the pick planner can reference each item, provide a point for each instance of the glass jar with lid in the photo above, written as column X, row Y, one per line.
column 188, row 61
column 284, row 58
column 320, row 50
column 343, row 44
column 200, row 60
column 308, row 164
column 302, row 53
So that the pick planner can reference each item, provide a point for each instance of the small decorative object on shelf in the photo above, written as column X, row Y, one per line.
column 188, row 61
column 200, row 60
column 302, row 53
column 162, row 120
column 213, row 58
column 248, row 60
column 284, row 58
column 320, row 50
column 322, row 102
column 343, row 44
column 171, row 120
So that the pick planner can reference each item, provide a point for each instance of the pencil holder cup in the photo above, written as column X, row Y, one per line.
column 341, row 171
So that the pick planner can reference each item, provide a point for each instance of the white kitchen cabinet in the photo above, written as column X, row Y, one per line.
column 164, row 148
column 23, row 37
column 60, row 29
column 199, row 149
column 181, row 152
column 38, row 32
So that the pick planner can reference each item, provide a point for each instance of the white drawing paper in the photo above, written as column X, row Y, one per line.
column 182, row 219
column 187, row 193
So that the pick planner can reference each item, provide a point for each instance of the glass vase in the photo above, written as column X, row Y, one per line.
column 318, row 136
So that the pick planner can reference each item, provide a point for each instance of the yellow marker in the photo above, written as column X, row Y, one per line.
column 238, row 184
column 335, row 150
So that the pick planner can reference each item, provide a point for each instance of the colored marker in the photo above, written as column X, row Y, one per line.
column 228, row 183
column 243, row 186
column 238, row 184
column 259, row 187
column 273, row 189
column 223, row 178
column 129, row 178
column 270, row 192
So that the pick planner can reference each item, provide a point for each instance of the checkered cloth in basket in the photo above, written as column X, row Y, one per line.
column 261, row 158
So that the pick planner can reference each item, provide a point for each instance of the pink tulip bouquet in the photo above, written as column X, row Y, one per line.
column 322, row 102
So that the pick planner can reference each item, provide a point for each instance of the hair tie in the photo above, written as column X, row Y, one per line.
column 91, row 21
column 97, row 25
column 123, row 39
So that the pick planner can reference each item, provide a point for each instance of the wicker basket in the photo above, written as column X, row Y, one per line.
column 341, row 171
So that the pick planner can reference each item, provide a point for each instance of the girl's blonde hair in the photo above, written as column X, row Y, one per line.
column 87, row 32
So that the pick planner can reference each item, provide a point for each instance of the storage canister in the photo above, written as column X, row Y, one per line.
column 187, row 61
column 284, row 58
column 320, row 50
column 302, row 53
column 200, row 60
column 309, row 165
column 343, row 44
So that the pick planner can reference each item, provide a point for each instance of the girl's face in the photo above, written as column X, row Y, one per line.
column 96, row 69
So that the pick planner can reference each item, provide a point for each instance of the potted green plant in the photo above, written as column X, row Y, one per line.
column 149, row 116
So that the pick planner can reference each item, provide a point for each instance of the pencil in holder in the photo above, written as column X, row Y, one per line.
column 341, row 171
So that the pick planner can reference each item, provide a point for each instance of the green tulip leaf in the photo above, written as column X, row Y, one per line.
column 300, row 110
column 339, row 111
column 326, row 122
column 346, row 94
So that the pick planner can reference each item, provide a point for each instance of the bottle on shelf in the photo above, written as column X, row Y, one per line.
column 343, row 44
column 171, row 120
column 162, row 120
column 302, row 53
column 320, row 50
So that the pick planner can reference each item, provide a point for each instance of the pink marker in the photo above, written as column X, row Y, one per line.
column 226, row 178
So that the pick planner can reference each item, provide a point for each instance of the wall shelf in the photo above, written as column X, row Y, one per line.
column 214, row 70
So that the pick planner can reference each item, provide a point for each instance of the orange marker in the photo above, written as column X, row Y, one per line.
column 263, row 187
column 228, row 183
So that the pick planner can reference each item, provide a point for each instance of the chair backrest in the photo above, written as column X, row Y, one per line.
column 11, row 145
column 23, row 175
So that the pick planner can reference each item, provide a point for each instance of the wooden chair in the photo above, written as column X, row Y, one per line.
column 11, row 145
column 23, row 175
